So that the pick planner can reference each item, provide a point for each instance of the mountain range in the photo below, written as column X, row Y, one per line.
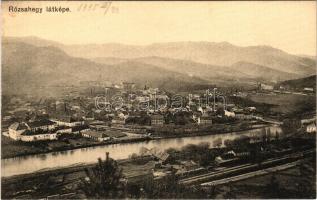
column 31, row 60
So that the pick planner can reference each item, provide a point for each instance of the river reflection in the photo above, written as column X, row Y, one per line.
column 32, row 163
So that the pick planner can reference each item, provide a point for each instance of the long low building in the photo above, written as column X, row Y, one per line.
column 16, row 130
column 68, row 121
column 29, row 136
column 102, row 135
column 96, row 135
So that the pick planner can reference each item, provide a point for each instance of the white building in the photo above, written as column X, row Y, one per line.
column 29, row 136
column 266, row 87
column 43, row 124
column 306, row 89
column 68, row 121
column 311, row 128
column 229, row 114
column 95, row 135
column 16, row 129
column 32, row 131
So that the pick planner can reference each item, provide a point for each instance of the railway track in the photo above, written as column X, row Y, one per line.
column 251, row 174
column 246, row 168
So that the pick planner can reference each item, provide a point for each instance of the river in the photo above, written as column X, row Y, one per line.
column 33, row 163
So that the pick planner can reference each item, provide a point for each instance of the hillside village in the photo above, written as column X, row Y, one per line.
column 124, row 111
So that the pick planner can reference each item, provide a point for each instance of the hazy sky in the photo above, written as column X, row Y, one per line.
column 290, row 26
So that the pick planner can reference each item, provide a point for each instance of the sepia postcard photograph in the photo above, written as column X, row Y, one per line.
column 158, row 100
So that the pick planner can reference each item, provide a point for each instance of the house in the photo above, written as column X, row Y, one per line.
column 96, row 135
column 157, row 120
column 311, row 128
column 30, row 136
column 98, row 127
column 79, row 129
column 143, row 98
column 68, row 121
column 251, row 109
column 196, row 117
column 118, row 121
column 189, row 165
column 243, row 115
column 265, row 87
column 32, row 131
column 64, row 129
column 128, row 86
column 16, row 129
column 205, row 120
column 229, row 114
column 43, row 124
column 163, row 157
column 102, row 135
column 229, row 155
column 307, row 89
column 308, row 121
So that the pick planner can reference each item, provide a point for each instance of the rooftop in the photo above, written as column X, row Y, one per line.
column 96, row 134
column 18, row 126
column 68, row 119
column 42, row 122
column 39, row 132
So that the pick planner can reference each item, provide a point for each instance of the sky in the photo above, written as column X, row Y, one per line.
column 290, row 26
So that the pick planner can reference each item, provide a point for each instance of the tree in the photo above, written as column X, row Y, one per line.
column 169, row 188
column 220, row 111
column 241, row 143
column 103, row 180
column 168, row 117
column 133, row 156
column 199, row 153
column 290, row 126
column 277, row 136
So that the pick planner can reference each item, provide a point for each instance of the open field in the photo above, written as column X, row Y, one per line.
column 287, row 103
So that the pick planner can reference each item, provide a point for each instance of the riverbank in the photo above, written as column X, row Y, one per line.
column 64, row 180
column 13, row 149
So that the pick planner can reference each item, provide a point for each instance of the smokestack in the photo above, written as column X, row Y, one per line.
column 107, row 156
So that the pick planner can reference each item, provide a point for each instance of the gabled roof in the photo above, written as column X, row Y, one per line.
column 163, row 156
column 18, row 126
column 40, row 132
column 96, row 134
column 68, row 119
column 42, row 122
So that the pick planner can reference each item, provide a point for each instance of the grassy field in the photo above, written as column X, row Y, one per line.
column 11, row 148
column 287, row 103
